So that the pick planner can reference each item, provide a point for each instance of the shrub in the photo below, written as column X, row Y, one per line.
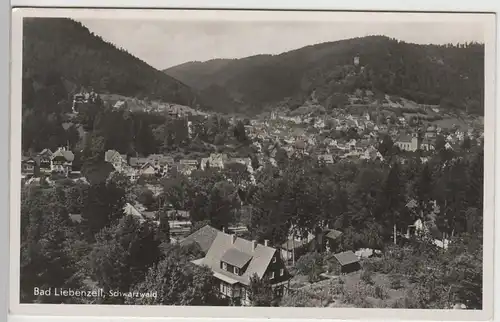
column 396, row 282
column 311, row 264
column 366, row 276
column 380, row 292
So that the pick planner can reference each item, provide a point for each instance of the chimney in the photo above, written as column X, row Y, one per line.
column 254, row 244
column 266, row 242
column 233, row 238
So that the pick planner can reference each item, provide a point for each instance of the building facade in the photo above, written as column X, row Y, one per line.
column 234, row 261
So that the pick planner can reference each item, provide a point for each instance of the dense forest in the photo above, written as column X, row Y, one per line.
column 64, row 53
column 451, row 75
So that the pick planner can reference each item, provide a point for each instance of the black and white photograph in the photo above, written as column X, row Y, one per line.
column 310, row 160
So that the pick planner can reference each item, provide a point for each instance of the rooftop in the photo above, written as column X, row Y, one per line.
column 346, row 258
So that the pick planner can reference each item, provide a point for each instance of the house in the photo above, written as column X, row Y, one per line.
column 371, row 153
column 408, row 142
column 118, row 160
column 147, row 170
column 326, row 158
column 28, row 165
column 428, row 144
column 45, row 160
column 325, row 240
column 138, row 162
column 61, row 161
column 203, row 238
column 187, row 166
column 234, row 261
column 431, row 132
column 247, row 162
column 215, row 160
column 345, row 262
column 76, row 218
column 131, row 173
column 293, row 248
column 130, row 210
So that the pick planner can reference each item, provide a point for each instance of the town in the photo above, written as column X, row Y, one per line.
column 343, row 177
column 275, row 141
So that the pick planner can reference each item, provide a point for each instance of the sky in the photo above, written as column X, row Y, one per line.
column 163, row 44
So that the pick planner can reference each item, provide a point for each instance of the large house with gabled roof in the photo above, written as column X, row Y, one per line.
column 234, row 261
column 61, row 161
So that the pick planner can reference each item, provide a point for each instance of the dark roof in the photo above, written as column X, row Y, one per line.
column 333, row 234
column 346, row 258
column 236, row 258
column 203, row 237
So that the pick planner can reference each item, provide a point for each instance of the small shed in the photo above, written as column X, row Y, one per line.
column 347, row 262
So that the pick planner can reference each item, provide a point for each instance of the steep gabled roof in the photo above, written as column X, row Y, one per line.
column 261, row 256
column 65, row 154
column 203, row 237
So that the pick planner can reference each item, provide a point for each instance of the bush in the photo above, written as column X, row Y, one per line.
column 380, row 293
column 396, row 282
column 366, row 276
column 311, row 264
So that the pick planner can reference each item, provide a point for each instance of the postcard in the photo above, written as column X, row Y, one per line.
column 292, row 164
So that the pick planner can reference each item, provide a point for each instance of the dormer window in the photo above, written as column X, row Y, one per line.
column 236, row 271
column 224, row 266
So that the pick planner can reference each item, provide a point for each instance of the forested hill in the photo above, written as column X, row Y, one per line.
column 63, row 53
column 451, row 75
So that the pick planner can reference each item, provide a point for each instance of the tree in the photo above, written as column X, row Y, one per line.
column 146, row 197
column 311, row 265
column 255, row 162
column 104, row 205
column 260, row 291
column 176, row 281
column 164, row 227
column 47, row 257
column 386, row 146
column 239, row 132
column 393, row 197
column 118, row 259
column 423, row 190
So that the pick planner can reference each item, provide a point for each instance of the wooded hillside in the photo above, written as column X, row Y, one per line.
column 65, row 53
column 450, row 75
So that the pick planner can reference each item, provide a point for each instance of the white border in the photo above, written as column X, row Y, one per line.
column 217, row 312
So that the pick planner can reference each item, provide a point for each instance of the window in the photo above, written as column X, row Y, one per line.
column 224, row 266
column 272, row 275
column 274, row 259
column 236, row 271
column 282, row 271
